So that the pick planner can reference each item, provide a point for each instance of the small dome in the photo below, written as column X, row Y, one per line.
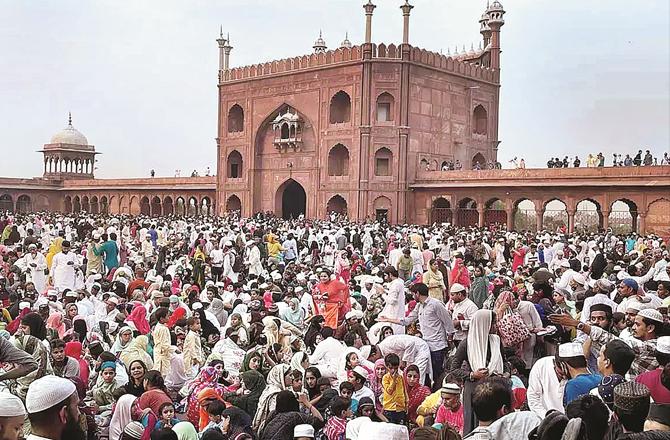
column 346, row 43
column 319, row 44
column 69, row 135
column 495, row 6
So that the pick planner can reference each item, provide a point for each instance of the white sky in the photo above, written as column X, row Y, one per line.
column 578, row 76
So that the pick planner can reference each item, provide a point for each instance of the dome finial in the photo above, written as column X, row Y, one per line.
column 69, row 119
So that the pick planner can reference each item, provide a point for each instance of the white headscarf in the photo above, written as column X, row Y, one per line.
column 121, row 416
column 479, row 339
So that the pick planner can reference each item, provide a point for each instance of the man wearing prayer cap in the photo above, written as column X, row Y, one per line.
column 631, row 405
column 12, row 414
column 571, row 364
column 52, row 404
column 654, row 380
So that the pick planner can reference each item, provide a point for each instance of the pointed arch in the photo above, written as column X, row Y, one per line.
column 233, row 204
column 337, row 204
column 145, row 206
column 340, row 108
column 156, row 207
column 235, row 119
column 382, row 206
column 441, row 211
column 385, row 107
column 383, row 162
column 180, row 206
column 24, row 204
column 67, row 205
column 168, row 206
column 494, row 212
column 6, row 203
column 95, row 207
column 290, row 199
column 478, row 160
column 234, row 164
column 480, row 120
column 338, row 161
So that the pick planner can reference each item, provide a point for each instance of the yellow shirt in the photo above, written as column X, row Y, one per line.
column 394, row 393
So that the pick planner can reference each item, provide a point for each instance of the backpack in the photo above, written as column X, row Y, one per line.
column 238, row 262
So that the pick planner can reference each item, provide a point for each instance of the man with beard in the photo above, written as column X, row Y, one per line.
column 12, row 414
column 600, row 316
column 62, row 273
column 52, row 404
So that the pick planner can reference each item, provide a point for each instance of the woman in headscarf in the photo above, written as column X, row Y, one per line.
column 238, row 329
column 198, row 261
column 218, row 310
column 477, row 357
column 185, row 431
column 435, row 281
column 207, row 378
column 316, row 324
column 123, row 340
column 179, row 313
column 246, row 397
column 33, row 332
column 342, row 267
column 74, row 350
column 136, row 372
column 203, row 399
column 137, row 349
column 459, row 274
column 236, row 424
column 121, row 416
column 312, row 376
column 479, row 289
column 293, row 314
column 300, row 362
column 276, row 382
column 281, row 422
column 375, row 381
column 138, row 316
column 55, row 326
column 416, row 392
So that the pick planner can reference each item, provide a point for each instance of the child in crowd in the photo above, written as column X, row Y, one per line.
column 518, row 367
column 347, row 391
column 337, row 424
column 214, row 411
column 394, row 396
column 166, row 416
column 103, row 391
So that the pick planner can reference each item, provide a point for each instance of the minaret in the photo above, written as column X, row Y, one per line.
column 496, row 21
column 226, row 52
column 319, row 44
column 346, row 43
column 484, row 28
column 369, row 8
column 406, row 8
column 222, row 45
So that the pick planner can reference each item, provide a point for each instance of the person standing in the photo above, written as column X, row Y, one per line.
column 53, row 410
column 394, row 299
column 37, row 265
column 216, row 258
column 63, row 268
column 462, row 310
column 111, row 252
column 331, row 299
column 162, row 341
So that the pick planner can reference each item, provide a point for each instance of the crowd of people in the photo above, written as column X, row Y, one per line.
column 215, row 328
column 598, row 160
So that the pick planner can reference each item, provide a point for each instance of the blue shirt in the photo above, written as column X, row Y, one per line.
column 580, row 386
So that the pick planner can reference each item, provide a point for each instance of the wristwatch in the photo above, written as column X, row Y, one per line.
column 580, row 326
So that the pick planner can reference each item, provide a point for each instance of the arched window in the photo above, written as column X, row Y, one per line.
column 383, row 162
column 234, row 165
column 235, row 119
column 340, row 108
column 285, row 131
column 338, row 161
column 480, row 120
column 385, row 107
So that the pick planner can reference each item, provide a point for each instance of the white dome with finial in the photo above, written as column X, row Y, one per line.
column 320, row 44
column 346, row 43
column 69, row 135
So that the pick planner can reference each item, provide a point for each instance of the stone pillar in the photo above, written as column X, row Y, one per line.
column 481, row 210
column 539, row 217
column 406, row 8
column 571, row 220
column 606, row 219
column 454, row 216
column 369, row 8
column 643, row 223
column 226, row 52
column 222, row 43
column 510, row 218
column 634, row 225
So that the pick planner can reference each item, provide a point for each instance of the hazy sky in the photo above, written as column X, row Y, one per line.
column 140, row 76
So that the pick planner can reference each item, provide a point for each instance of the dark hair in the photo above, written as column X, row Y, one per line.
column 286, row 402
column 617, row 317
column 164, row 433
column 662, row 358
column 658, row 326
column 138, row 361
column 574, row 362
column 216, row 407
column 420, row 288
column 391, row 271
column 620, row 354
column 161, row 312
column 165, row 405
column 327, row 332
column 594, row 414
column 95, row 348
column 57, row 343
column 392, row 359
column 346, row 386
column 155, row 380
column 490, row 396
column 350, row 338
column 36, row 324
column 339, row 405
column 412, row 368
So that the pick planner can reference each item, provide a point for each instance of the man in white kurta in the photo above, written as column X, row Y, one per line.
column 63, row 269
column 394, row 298
column 545, row 392
column 462, row 310
column 411, row 350
column 36, row 263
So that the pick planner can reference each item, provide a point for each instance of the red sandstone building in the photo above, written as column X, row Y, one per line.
column 363, row 130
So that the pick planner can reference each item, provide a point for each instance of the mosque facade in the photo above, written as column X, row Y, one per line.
column 362, row 130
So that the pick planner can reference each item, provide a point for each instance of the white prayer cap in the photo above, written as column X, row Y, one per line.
column 456, row 287
column 365, row 351
column 24, row 305
column 298, row 289
column 652, row 314
column 134, row 430
column 635, row 305
column 450, row 388
column 303, row 431
column 579, row 279
column 361, row 371
column 228, row 243
column 570, row 349
column 565, row 263
column 663, row 344
column 264, row 286
column 300, row 277
column 47, row 392
column 196, row 306
column 11, row 406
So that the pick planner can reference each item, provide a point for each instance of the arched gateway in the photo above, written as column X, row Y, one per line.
column 291, row 200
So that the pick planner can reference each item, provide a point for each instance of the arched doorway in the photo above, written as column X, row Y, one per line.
column 180, row 208
column 76, row 205
column 145, row 207
column 168, row 209
column 337, row 204
column 479, row 161
column 24, row 204
column 292, row 200
column 382, row 206
column 205, row 205
column 156, row 206
column 525, row 217
column 494, row 213
column 441, row 211
column 6, row 203
column 104, row 205
column 658, row 220
column 94, row 205
column 588, row 216
column 67, row 205
column 85, row 204
column 192, row 209
column 233, row 204
column 468, row 215
column 555, row 215
column 621, row 218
